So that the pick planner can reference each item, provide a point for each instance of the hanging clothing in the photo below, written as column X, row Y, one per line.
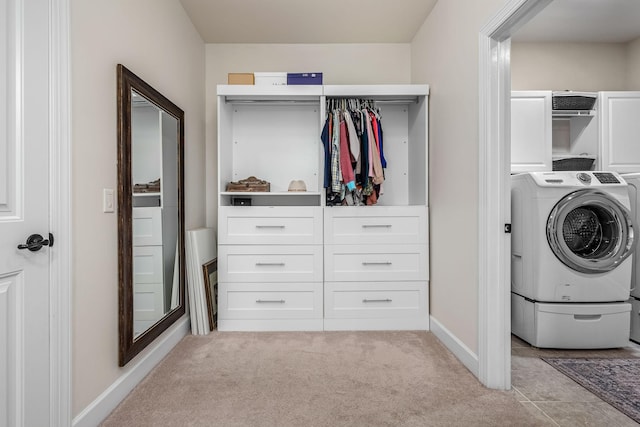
column 326, row 142
column 377, row 129
column 364, row 157
column 353, row 152
column 345, row 159
column 354, row 142
column 336, row 173
column 375, row 169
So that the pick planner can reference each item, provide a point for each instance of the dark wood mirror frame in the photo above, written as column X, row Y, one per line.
column 131, row 345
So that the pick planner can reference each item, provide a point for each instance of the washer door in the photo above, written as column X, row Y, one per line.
column 591, row 232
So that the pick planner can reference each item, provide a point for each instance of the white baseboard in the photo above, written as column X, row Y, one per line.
column 457, row 347
column 420, row 323
column 133, row 373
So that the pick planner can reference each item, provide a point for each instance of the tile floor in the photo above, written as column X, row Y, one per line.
column 554, row 397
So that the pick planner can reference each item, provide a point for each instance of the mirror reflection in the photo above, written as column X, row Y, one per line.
column 154, row 174
column 151, row 252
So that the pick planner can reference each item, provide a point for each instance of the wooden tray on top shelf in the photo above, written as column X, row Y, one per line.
column 251, row 184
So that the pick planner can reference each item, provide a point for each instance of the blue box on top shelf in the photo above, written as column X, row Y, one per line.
column 304, row 78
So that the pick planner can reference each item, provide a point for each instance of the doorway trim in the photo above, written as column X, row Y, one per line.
column 494, row 200
column 60, row 211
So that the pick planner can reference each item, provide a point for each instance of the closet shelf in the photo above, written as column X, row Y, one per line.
column 146, row 194
column 572, row 113
column 377, row 92
column 252, row 93
column 270, row 193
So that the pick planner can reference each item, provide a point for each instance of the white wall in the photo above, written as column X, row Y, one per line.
column 155, row 40
column 339, row 63
column 572, row 66
column 444, row 54
column 633, row 71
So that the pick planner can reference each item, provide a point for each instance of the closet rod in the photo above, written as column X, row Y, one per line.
column 314, row 102
column 386, row 101
column 396, row 101
column 273, row 101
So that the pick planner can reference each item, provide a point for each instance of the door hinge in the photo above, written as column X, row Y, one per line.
column 507, row 228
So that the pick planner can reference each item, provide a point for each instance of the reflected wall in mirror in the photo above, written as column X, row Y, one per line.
column 150, row 214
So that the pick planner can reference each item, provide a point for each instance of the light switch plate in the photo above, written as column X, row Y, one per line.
column 108, row 200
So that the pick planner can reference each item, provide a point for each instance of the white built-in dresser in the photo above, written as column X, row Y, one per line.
column 286, row 260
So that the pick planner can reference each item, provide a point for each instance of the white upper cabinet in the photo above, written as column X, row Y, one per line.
column 531, row 131
column 272, row 133
column 620, row 131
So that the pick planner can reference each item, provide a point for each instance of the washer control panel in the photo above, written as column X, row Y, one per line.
column 606, row 178
column 577, row 179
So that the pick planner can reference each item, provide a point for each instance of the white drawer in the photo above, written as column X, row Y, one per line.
column 581, row 326
column 146, row 226
column 280, row 263
column 375, row 299
column 270, row 225
column 270, row 301
column 376, row 262
column 147, row 264
column 148, row 302
column 376, row 225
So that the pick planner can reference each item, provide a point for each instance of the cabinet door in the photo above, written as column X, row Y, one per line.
column 620, row 131
column 531, row 131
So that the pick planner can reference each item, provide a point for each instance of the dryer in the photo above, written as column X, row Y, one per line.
column 633, row 180
column 573, row 235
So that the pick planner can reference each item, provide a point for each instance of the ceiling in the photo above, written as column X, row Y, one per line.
column 383, row 21
column 308, row 21
column 584, row 21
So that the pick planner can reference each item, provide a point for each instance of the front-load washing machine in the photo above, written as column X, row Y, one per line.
column 572, row 237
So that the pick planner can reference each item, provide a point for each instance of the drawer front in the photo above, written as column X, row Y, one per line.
column 375, row 300
column 147, row 264
column 270, row 225
column 146, row 226
column 259, row 263
column 148, row 301
column 269, row 301
column 376, row 263
column 588, row 326
column 378, row 225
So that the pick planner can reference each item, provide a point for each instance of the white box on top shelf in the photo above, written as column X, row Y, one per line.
column 270, row 78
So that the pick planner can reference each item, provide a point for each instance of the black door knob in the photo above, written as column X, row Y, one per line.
column 35, row 242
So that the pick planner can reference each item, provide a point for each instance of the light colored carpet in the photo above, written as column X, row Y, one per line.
column 316, row 379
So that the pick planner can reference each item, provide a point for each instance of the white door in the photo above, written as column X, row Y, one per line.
column 531, row 131
column 24, row 210
column 619, row 130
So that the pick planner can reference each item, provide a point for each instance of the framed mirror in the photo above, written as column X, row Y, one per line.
column 151, row 264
